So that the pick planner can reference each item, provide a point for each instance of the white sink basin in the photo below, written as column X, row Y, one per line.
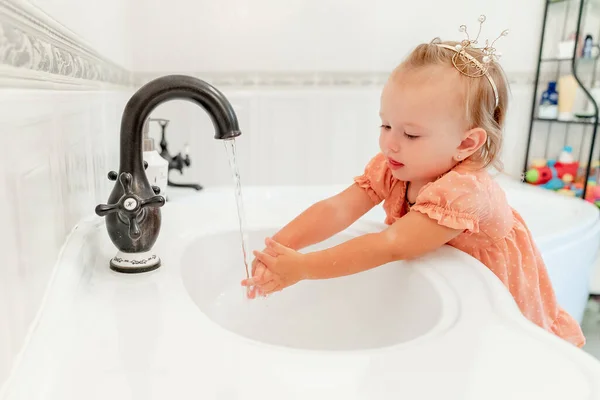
column 378, row 308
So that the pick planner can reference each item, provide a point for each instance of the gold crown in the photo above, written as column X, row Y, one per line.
column 470, row 66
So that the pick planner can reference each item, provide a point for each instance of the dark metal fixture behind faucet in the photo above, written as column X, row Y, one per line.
column 177, row 162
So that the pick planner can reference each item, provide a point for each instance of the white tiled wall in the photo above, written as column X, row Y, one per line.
column 293, row 137
column 302, row 136
column 57, row 148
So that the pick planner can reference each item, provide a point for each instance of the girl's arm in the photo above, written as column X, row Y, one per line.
column 409, row 237
column 325, row 218
column 317, row 223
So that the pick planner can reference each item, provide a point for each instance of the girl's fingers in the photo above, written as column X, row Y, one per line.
column 273, row 289
column 269, row 287
column 274, row 246
column 265, row 258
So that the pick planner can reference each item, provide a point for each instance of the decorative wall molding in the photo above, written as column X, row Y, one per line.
column 316, row 79
column 38, row 52
column 281, row 79
column 23, row 78
column 32, row 41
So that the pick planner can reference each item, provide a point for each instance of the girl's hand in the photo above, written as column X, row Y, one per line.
column 258, row 275
column 284, row 267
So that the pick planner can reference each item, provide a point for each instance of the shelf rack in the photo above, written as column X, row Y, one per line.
column 574, row 63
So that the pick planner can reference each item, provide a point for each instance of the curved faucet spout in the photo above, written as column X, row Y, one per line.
column 166, row 88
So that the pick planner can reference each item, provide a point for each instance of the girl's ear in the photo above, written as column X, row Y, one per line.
column 472, row 141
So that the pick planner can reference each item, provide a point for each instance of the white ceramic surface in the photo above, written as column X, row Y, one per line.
column 161, row 335
column 381, row 307
column 61, row 146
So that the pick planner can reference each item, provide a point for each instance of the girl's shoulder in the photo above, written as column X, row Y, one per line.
column 462, row 179
column 377, row 178
column 461, row 197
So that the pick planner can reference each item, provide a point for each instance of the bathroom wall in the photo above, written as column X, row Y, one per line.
column 305, row 76
column 60, row 109
column 319, row 35
column 298, row 136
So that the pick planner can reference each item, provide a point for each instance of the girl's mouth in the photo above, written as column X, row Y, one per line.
column 394, row 164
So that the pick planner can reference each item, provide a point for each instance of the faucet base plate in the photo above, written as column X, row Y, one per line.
column 135, row 263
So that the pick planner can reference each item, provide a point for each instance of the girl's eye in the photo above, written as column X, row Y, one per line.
column 386, row 127
column 410, row 136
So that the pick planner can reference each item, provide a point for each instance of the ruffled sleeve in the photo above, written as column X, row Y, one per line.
column 456, row 200
column 376, row 179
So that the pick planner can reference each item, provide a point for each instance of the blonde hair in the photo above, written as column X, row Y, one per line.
column 480, row 101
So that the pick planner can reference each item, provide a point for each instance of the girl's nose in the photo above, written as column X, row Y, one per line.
column 392, row 145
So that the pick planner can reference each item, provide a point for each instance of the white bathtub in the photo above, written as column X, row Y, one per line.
column 438, row 327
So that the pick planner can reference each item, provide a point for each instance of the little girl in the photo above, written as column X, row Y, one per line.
column 442, row 113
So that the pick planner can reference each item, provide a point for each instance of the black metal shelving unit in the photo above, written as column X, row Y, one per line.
column 585, row 156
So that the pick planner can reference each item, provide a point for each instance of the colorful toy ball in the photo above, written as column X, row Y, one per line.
column 538, row 175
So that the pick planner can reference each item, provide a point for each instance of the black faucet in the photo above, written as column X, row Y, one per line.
column 178, row 162
column 133, row 214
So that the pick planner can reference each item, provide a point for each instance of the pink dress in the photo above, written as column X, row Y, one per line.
column 493, row 233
